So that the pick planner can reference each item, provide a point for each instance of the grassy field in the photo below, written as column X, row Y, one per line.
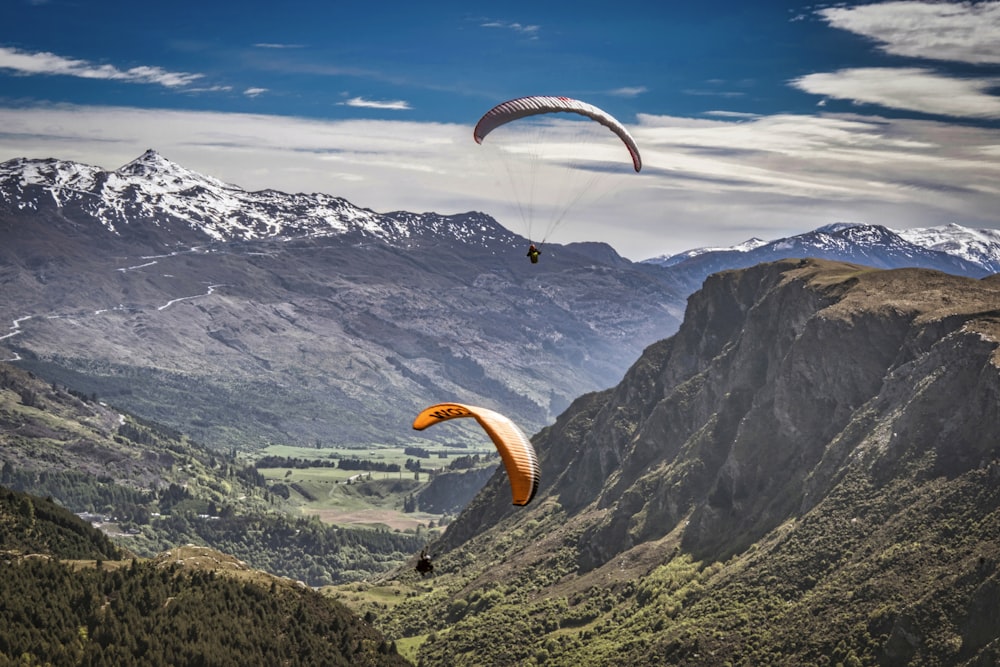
column 361, row 498
column 440, row 455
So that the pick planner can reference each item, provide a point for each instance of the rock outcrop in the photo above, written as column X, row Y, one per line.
column 780, row 377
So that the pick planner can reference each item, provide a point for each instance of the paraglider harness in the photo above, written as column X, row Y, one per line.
column 533, row 253
column 424, row 564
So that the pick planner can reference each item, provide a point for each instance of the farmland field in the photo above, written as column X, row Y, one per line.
column 361, row 498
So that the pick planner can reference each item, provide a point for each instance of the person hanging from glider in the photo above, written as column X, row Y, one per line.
column 533, row 253
column 424, row 564
column 516, row 451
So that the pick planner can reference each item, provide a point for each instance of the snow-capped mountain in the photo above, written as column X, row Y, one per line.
column 671, row 260
column 244, row 317
column 951, row 249
column 979, row 246
column 153, row 189
column 249, row 316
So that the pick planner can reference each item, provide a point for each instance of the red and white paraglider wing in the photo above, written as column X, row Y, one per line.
column 523, row 107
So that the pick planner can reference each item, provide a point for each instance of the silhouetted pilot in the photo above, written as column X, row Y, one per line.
column 424, row 564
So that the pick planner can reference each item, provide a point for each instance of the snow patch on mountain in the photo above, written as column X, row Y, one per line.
column 979, row 246
column 153, row 190
column 670, row 260
column 872, row 244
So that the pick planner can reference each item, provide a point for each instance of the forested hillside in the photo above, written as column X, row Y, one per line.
column 154, row 489
column 33, row 525
column 68, row 598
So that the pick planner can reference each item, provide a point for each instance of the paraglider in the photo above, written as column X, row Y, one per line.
column 523, row 107
column 548, row 164
column 516, row 451
column 424, row 565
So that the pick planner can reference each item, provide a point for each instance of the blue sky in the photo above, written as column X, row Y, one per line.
column 754, row 119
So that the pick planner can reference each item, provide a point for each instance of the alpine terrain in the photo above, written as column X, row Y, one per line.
column 245, row 318
column 807, row 472
column 803, row 469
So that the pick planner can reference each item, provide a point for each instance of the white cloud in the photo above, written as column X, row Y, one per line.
column 630, row 91
column 254, row 92
column 529, row 30
column 273, row 45
column 955, row 31
column 40, row 63
column 731, row 114
column 399, row 105
column 708, row 181
column 209, row 89
column 911, row 89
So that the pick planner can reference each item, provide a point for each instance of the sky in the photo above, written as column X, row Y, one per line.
column 762, row 119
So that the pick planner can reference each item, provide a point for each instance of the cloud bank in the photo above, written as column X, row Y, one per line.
column 967, row 32
column 716, row 181
column 43, row 63
column 908, row 88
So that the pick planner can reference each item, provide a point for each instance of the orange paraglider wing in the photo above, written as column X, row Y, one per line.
column 516, row 451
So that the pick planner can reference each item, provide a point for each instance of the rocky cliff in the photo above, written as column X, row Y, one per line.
column 780, row 376
column 812, row 428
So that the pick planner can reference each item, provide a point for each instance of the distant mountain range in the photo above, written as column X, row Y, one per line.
column 253, row 317
column 950, row 248
column 245, row 318
column 154, row 200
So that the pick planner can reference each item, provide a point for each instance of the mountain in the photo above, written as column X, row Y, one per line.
column 978, row 246
column 952, row 249
column 70, row 598
column 156, row 201
column 151, row 488
column 673, row 260
column 807, row 472
column 249, row 318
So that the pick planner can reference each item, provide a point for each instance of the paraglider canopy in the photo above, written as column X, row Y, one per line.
column 516, row 452
column 523, row 107
column 552, row 154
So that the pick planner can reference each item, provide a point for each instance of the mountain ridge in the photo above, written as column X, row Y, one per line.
column 309, row 316
column 788, row 443
column 950, row 248
column 153, row 189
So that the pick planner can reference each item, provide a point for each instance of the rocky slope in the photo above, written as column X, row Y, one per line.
column 815, row 433
column 244, row 318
